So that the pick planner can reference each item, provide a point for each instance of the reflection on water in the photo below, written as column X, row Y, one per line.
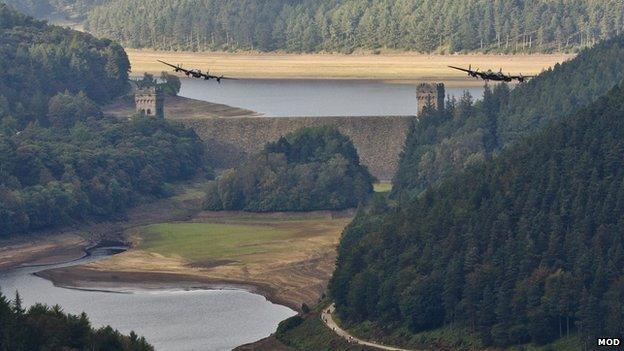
column 170, row 320
column 291, row 98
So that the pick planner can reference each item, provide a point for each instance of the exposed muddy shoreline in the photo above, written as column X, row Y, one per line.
column 306, row 279
column 85, row 279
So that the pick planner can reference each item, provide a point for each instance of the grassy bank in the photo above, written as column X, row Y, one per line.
column 411, row 67
column 311, row 334
column 238, row 241
column 453, row 338
column 287, row 257
column 383, row 187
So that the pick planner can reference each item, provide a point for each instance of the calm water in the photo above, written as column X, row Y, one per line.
column 170, row 320
column 291, row 98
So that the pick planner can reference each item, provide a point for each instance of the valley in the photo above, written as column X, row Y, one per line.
column 319, row 179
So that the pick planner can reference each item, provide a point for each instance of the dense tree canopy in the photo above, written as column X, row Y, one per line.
column 40, row 61
column 347, row 25
column 61, row 161
column 315, row 168
column 441, row 143
column 95, row 169
column 72, row 10
column 49, row 328
column 524, row 247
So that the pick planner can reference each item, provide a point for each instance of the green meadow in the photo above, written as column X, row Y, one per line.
column 199, row 241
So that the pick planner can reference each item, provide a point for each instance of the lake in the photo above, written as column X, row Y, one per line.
column 169, row 319
column 293, row 98
column 218, row 319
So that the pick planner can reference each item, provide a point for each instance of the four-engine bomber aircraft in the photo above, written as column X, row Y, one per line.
column 195, row 73
column 491, row 75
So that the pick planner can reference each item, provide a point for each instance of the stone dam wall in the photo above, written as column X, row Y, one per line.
column 379, row 140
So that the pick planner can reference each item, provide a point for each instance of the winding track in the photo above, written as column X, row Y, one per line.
column 326, row 317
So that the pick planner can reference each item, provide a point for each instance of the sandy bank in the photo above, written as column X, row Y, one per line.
column 34, row 250
column 289, row 271
column 70, row 243
column 87, row 279
column 397, row 67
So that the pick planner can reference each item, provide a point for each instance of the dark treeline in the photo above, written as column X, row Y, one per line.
column 49, row 328
column 73, row 10
column 61, row 161
column 95, row 169
column 526, row 247
column 40, row 61
column 347, row 25
column 314, row 168
column 441, row 143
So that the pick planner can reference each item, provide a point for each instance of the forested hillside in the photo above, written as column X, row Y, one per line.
column 40, row 61
column 48, row 328
column 74, row 10
column 441, row 143
column 315, row 168
column 347, row 25
column 526, row 247
column 61, row 161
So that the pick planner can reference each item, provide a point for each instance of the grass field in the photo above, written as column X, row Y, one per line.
column 243, row 243
column 410, row 67
column 382, row 187
column 289, row 257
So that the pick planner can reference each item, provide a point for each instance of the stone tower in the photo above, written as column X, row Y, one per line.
column 150, row 102
column 430, row 94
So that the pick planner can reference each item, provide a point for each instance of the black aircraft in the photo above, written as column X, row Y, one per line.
column 195, row 73
column 491, row 75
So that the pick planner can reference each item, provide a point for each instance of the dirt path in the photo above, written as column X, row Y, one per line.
column 327, row 318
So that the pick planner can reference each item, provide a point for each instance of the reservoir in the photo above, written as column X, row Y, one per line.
column 217, row 320
column 169, row 319
column 314, row 98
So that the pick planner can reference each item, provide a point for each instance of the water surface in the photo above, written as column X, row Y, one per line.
column 296, row 97
column 170, row 320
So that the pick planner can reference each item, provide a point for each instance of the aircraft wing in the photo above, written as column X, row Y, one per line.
column 177, row 68
column 521, row 78
column 218, row 78
column 462, row 69
column 208, row 76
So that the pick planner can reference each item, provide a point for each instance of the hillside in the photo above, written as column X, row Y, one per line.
column 523, row 248
column 442, row 143
column 348, row 25
column 58, row 10
column 313, row 168
column 45, row 60
column 61, row 160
